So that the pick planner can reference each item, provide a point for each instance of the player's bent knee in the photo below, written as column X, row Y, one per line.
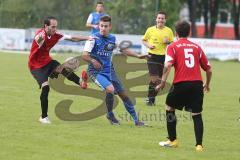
column 45, row 84
column 154, row 79
column 158, row 81
column 110, row 89
column 168, row 108
column 194, row 114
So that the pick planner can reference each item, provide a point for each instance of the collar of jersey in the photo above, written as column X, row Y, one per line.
column 102, row 36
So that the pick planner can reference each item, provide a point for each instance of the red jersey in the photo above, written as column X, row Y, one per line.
column 187, row 59
column 39, row 54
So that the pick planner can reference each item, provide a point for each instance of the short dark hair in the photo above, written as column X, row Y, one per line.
column 99, row 2
column 182, row 28
column 106, row 19
column 162, row 12
column 46, row 20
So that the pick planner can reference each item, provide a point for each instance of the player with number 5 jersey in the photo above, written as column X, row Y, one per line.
column 187, row 58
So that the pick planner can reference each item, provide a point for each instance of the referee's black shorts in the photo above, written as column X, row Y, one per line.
column 188, row 95
column 155, row 64
column 41, row 75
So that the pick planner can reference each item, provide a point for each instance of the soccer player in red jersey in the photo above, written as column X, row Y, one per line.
column 42, row 66
column 187, row 90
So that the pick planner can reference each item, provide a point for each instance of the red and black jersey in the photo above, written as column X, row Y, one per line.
column 39, row 54
column 187, row 59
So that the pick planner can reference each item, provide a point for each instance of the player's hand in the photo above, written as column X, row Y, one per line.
column 160, row 86
column 166, row 40
column 151, row 47
column 206, row 88
column 96, row 64
column 144, row 56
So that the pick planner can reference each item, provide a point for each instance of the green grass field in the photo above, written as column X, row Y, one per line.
column 23, row 137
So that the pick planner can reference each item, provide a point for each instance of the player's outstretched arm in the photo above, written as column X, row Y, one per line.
column 208, row 79
column 132, row 53
column 124, row 48
column 79, row 38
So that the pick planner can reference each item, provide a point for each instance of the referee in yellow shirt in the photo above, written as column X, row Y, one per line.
column 156, row 40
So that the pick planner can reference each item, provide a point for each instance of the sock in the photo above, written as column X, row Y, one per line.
column 44, row 100
column 171, row 125
column 130, row 108
column 198, row 128
column 71, row 76
column 151, row 92
column 109, row 103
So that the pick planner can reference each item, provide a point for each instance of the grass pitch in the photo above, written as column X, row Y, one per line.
column 23, row 137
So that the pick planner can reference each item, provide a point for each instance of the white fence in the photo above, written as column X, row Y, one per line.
column 12, row 39
column 219, row 49
column 20, row 39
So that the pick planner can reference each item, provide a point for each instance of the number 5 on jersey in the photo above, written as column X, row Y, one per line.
column 189, row 58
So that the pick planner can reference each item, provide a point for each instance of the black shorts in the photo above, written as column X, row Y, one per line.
column 188, row 95
column 156, row 64
column 41, row 75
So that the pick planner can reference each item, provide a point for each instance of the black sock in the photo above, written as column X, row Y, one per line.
column 109, row 103
column 151, row 92
column 71, row 76
column 198, row 128
column 171, row 125
column 44, row 100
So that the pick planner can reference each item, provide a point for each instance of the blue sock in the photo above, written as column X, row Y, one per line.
column 109, row 103
column 130, row 108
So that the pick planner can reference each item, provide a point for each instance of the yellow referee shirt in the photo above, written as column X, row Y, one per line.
column 156, row 36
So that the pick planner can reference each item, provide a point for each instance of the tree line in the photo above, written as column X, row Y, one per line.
column 128, row 16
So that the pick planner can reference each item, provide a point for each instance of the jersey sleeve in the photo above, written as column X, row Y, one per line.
column 66, row 36
column 59, row 35
column 40, row 38
column 171, row 36
column 90, row 18
column 89, row 46
column 205, row 65
column 170, row 56
column 116, row 48
column 146, row 35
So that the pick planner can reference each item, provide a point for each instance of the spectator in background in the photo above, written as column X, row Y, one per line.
column 94, row 17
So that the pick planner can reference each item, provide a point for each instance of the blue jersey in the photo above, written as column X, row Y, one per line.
column 102, row 51
column 94, row 18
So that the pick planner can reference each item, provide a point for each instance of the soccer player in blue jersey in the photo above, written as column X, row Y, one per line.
column 98, row 53
column 94, row 17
